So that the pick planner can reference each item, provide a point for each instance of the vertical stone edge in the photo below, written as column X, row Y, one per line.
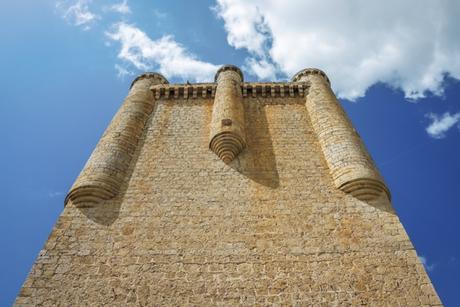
column 105, row 170
column 352, row 168
column 228, row 137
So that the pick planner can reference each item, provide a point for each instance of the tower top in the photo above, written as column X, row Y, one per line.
column 310, row 71
column 150, row 75
column 229, row 67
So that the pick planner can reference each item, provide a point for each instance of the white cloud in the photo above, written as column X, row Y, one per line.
column 165, row 54
column 408, row 45
column 77, row 13
column 159, row 14
column 122, row 7
column 261, row 68
column 55, row 194
column 440, row 124
column 424, row 261
column 244, row 24
column 122, row 72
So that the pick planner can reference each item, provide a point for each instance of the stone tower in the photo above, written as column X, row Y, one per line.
column 229, row 193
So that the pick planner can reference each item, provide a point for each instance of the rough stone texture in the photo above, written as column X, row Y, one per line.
column 105, row 170
column 228, row 137
column 269, row 228
column 351, row 166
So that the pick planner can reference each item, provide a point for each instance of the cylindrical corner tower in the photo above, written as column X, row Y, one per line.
column 103, row 174
column 350, row 164
column 228, row 137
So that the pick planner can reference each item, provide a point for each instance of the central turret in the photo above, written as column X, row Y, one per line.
column 228, row 137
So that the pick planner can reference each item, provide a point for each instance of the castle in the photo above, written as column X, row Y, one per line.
column 229, row 193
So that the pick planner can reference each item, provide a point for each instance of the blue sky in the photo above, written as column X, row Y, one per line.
column 66, row 66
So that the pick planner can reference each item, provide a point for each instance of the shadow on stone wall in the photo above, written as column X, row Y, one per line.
column 381, row 203
column 103, row 213
column 257, row 161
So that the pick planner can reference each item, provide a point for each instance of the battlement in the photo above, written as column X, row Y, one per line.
column 249, row 89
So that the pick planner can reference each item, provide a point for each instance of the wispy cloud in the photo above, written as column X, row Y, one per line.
column 77, row 13
column 440, row 124
column 54, row 194
column 159, row 14
column 122, row 7
column 122, row 72
column 137, row 50
column 164, row 54
column 428, row 267
column 261, row 67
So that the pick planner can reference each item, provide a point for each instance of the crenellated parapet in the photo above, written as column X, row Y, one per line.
column 184, row 91
column 249, row 89
column 275, row 89
column 105, row 171
column 350, row 164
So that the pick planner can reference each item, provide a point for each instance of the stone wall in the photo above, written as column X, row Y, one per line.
column 270, row 227
column 105, row 170
column 350, row 165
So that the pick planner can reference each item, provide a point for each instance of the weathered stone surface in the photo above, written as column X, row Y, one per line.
column 268, row 228
column 228, row 136
column 351, row 166
column 105, row 170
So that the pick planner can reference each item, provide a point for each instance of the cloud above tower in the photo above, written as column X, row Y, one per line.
column 77, row 13
column 408, row 45
column 164, row 54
